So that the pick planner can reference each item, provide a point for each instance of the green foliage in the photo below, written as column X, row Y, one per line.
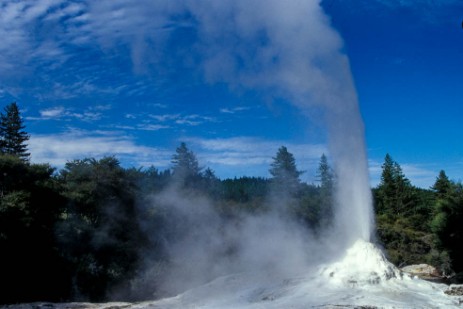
column 211, row 184
column 395, row 195
column 29, row 206
column 310, row 208
column 404, row 245
column 448, row 218
column 13, row 138
column 403, row 216
column 443, row 186
column 246, row 193
column 100, row 229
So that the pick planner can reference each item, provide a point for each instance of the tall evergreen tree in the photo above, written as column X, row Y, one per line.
column 443, row 185
column 325, row 176
column 395, row 192
column 12, row 135
column 185, row 165
column 284, row 171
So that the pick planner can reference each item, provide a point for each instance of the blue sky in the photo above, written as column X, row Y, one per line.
column 135, row 78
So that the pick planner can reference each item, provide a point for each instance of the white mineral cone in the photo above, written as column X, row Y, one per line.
column 363, row 263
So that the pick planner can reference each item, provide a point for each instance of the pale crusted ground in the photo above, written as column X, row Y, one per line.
column 363, row 278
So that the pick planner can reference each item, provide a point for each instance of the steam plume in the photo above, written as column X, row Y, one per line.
column 289, row 50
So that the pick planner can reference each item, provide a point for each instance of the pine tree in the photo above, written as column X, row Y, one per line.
column 443, row 185
column 185, row 165
column 325, row 174
column 395, row 192
column 284, row 171
column 12, row 135
column 326, row 177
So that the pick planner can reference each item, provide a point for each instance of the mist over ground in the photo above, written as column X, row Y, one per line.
column 204, row 243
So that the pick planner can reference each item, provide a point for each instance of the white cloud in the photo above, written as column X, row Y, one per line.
column 60, row 112
column 165, row 117
column 234, row 110
column 54, row 112
column 191, row 120
column 143, row 127
column 419, row 175
column 152, row 127
column 86, row 116
column 57, row 149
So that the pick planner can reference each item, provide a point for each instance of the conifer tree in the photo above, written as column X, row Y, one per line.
column 185, row 165
column 443, row 185
column 284, row 171
column 325, row 174
column 12, row 135
column 395, row 192
column 326, row 177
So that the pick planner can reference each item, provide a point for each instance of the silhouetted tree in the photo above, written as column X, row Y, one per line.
column 285, row 175
column 185, row 168
column 12, row 135
column 211, row 183
column 443, row 186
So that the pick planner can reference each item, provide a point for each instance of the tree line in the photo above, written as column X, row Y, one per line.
column 80, row 233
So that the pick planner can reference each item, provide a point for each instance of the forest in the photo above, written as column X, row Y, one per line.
column 83, row 233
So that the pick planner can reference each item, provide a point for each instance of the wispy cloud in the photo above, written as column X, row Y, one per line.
column 165, row 117
column 194, row 120
column 55, row 112
column 21, row 41
column 61, row 113
column 190, row 120
column 57, row 149
column 419, row 175
column 234, row 110
column 143, row 127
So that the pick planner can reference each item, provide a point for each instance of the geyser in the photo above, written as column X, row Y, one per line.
column 288, row 50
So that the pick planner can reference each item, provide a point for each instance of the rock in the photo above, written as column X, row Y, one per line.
column 455, row 290
column 425, row 272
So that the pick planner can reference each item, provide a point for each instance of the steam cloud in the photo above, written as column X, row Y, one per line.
column 286, row 50
column 297, row 57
